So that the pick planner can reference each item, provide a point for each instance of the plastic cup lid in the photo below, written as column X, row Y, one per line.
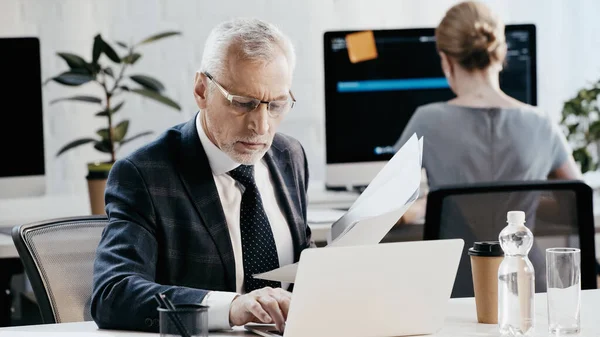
column 486, row 248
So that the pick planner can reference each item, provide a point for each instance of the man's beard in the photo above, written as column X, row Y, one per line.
column 249, row 158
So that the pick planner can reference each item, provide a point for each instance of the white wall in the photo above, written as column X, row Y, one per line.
column 568, row 56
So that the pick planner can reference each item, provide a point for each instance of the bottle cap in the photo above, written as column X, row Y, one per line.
column 486, row 248
column 515, row 217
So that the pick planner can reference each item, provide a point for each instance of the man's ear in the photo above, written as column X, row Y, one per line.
column 200, row 90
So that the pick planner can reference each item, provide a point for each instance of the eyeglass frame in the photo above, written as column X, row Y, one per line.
column 230, row 97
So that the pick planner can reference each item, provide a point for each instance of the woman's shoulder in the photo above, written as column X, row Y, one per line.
column 530, row 112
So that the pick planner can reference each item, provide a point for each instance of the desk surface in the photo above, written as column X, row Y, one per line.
column 461, row 321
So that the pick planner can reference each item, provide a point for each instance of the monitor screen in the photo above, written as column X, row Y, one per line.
column 22, row 135
column 368, row 103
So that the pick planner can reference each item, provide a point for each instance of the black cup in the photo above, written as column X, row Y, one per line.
column 486, row 248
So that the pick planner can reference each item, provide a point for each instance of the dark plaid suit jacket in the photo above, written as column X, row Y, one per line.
column 167, row 230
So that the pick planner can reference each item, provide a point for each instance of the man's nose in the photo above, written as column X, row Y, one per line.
column 259, row 119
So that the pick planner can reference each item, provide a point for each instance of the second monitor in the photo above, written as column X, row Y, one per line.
column 368, row 103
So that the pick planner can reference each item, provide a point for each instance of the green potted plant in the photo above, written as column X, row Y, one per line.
column 581, row 124
column 115, row 83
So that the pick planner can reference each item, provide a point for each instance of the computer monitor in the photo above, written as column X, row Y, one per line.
column 368, row 103
column 22, row 168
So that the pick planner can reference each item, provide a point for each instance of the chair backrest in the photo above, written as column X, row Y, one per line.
column 58, row 257
column 559, row 213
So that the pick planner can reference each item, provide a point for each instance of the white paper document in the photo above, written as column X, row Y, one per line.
column 376, row 210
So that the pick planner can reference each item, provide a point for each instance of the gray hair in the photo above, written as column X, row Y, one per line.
column 257, row 41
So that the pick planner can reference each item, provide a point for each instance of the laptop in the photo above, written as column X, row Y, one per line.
column 388, row 289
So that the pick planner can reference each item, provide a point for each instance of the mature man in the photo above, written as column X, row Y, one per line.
column 212, row 201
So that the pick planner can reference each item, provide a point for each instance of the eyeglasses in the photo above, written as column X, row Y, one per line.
column 242, row 105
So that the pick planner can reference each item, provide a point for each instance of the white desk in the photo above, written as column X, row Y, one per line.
column 461, row 321
column 25, row 210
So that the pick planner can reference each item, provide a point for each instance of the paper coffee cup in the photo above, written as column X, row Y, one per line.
column 486, row 257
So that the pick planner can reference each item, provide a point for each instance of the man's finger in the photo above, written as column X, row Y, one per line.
column 256, row 309
column 284, row 305
column 271, row 306
column 285, row 293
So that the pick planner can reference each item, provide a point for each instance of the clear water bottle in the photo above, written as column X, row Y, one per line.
column 516, row 278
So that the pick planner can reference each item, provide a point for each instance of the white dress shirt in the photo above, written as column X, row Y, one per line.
column 230, row 194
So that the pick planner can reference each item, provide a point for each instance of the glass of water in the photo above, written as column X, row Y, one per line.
column 563, row 277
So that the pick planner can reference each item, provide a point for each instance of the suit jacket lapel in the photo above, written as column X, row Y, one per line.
column 197, row 178
column 285, row 183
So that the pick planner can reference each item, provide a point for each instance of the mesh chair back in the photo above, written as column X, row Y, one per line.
column 58, row 257
column 559, row 213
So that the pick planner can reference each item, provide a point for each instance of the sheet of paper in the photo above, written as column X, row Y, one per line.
column 407, row 158
column 368, row 230
column 371, row 230
column 285, row 274
column 370, row 218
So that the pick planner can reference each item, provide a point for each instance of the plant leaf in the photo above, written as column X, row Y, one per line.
column 116, row 107
column 102, row 146
column 94, row 68
column 131, row 58
column 112, row 110
column 73, row 144
column 148, row 82
column 73, row 61
column 145, row 133
column 124, row 87
column 158, row 37
column 122, row 44
column 89, row 99
column 594, row 130
column 97, row 48
column 120, row 131
column 110, row 52
column 583, row 157
column 157, row 97
column 103, row 133
column 71, row 78
column 108, row 71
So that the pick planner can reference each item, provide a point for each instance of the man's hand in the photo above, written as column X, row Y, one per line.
column 266, row 305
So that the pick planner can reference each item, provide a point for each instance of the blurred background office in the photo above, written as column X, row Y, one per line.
column 567, row 49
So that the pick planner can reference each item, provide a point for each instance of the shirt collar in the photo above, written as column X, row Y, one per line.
column 219, row 161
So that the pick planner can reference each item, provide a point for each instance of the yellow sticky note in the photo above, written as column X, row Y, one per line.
column 361, row 46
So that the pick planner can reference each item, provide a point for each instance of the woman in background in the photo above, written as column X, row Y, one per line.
column 483, row 134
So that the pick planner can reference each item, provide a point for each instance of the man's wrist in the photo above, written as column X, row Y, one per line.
column 231, row 324
column 219, row 307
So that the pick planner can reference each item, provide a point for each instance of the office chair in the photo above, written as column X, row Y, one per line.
column 58, row 257
column 559, row 213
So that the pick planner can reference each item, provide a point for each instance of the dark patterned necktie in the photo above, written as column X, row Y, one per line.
column 258, row 244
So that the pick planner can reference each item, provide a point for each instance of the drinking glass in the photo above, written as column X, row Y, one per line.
column 563, row 277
